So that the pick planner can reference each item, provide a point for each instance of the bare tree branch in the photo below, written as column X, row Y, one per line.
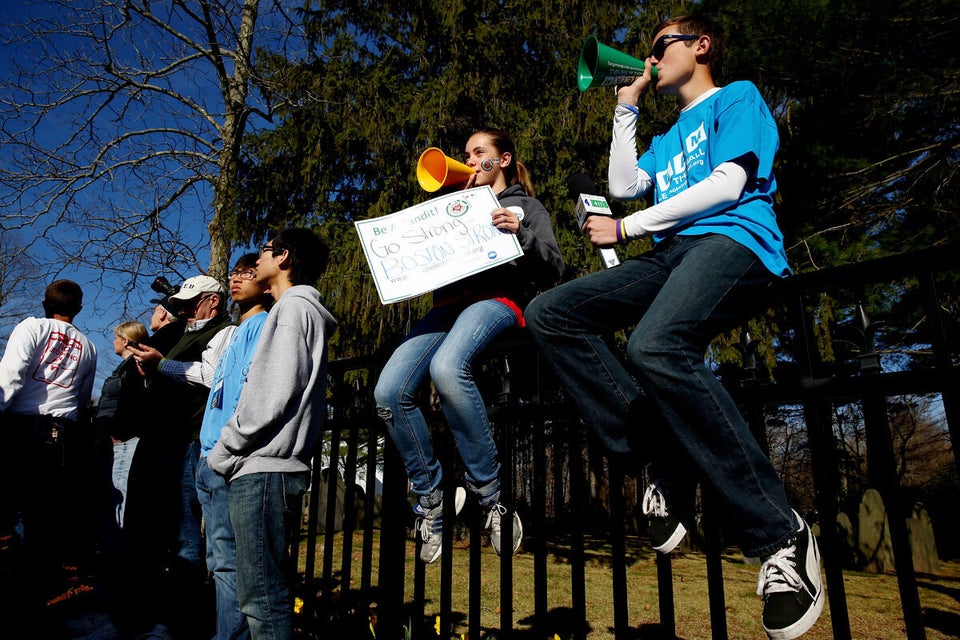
column 120, row 131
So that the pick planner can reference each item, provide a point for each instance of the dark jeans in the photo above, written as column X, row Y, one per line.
column 41, row 489
column 680, row 296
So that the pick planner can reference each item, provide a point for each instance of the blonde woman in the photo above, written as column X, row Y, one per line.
column 116, row 422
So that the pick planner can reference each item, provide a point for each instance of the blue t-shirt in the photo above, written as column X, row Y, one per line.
column 732, row 123
column 228, row 380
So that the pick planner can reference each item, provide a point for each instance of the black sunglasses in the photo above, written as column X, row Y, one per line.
column 664, row 41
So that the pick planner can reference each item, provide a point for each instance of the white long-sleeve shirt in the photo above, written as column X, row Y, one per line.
column 722, row 188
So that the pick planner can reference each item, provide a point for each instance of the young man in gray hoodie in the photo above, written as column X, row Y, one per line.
column 266, row 449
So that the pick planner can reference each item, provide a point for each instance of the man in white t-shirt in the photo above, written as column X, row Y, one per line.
column 49, row 365
column 46, row 378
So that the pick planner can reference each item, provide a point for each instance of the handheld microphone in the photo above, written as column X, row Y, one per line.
column 580, row 187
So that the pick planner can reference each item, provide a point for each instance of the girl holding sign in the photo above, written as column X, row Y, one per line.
column 466, row 316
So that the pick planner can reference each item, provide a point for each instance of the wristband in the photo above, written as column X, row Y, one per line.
column 630, row 107
column 619, row 231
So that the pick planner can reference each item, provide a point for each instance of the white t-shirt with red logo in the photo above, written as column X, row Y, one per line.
column 48, row 368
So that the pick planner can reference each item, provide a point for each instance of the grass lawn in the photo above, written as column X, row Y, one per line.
column 873, row 600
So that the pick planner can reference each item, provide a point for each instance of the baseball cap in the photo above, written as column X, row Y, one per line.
column 170, row 305
column 192, row 287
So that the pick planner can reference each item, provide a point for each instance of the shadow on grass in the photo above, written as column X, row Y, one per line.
column 952, row 592
column 561, row 621
column 332, row 619
column 946, row 622
column 596, row 548
column 351, row 617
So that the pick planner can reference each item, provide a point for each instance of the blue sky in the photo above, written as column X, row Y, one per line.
column 99, row 316
column 109, row 298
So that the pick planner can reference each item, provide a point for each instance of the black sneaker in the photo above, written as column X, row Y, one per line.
column 791, row 587
column 666, row 531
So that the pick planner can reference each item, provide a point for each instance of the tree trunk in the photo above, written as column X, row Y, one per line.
column 235, row 90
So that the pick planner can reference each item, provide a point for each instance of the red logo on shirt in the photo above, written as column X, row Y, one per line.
column 60, row 360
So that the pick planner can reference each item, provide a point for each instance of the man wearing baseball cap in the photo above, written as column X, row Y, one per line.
column 165, row 311
column 167, row 515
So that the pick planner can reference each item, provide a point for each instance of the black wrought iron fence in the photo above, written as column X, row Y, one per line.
column 570, row 494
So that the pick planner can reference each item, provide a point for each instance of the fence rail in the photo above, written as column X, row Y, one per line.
column 568, row 490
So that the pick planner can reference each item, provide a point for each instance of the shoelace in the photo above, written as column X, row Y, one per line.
column 493, row 518
column 779, row 573
column 654, row 503
column 429, row 526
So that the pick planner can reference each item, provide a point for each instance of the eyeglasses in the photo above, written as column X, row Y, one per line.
column 664, row 41
column 244, row 274
column 272, row 249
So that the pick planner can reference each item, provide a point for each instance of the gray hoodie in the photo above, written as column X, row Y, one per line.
column 281, row 408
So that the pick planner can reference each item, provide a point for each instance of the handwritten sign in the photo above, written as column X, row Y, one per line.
column 417, row 250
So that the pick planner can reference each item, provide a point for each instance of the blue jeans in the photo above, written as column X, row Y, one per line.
column 122, row 459
column 444, row 344
column 265, row 510
column 214, row 495
column 189, row 536
column 680, row 296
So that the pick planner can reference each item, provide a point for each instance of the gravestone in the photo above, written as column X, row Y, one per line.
column 874, row 541
column 922, row 543
column 360, row 500
column 847, row 538
column 323, row 479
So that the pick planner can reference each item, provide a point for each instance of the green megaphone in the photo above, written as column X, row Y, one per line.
column 603, row 66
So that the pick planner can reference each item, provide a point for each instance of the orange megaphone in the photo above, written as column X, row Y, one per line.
column 435, row 170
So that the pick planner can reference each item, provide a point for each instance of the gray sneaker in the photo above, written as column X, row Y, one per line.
column 430, row 526
column 495, row 514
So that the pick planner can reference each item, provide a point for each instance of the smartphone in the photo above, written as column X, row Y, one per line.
column 134, row 344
